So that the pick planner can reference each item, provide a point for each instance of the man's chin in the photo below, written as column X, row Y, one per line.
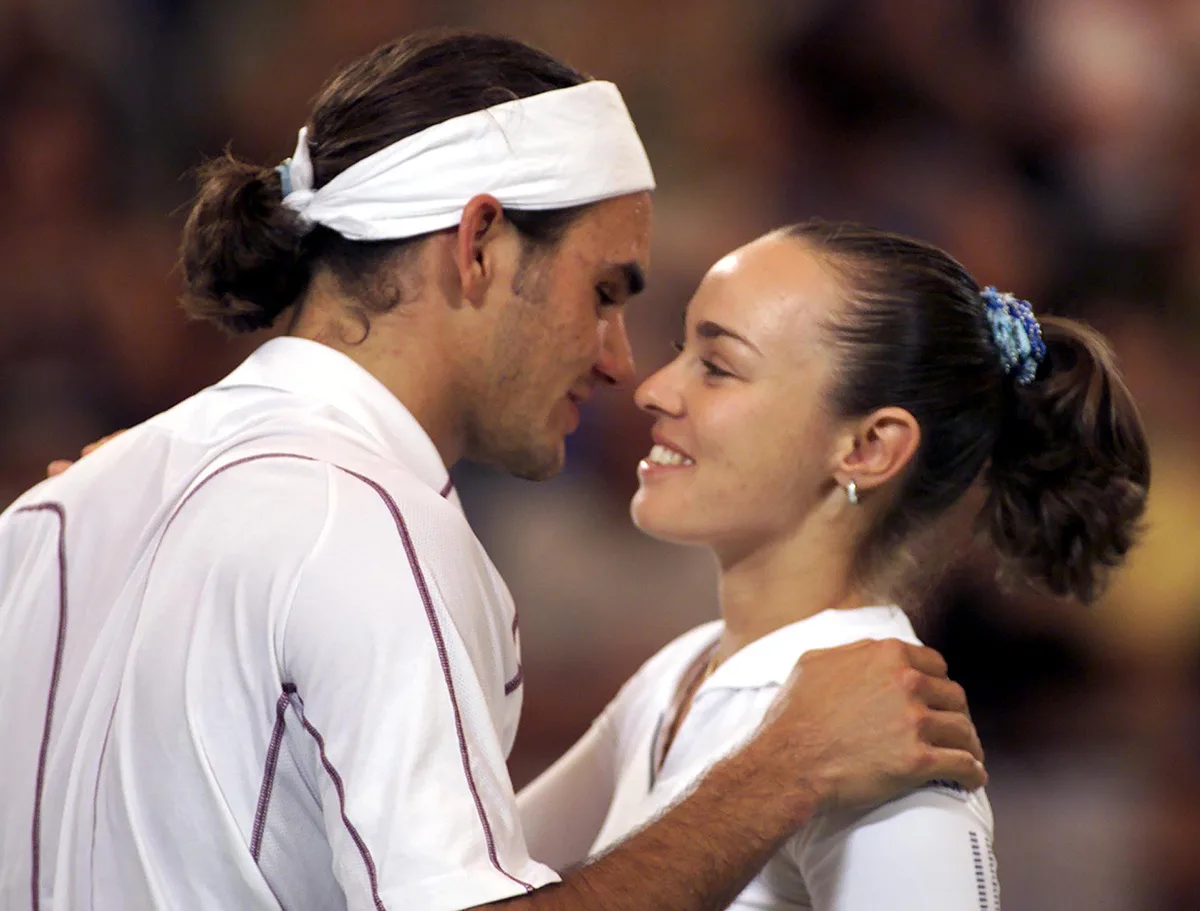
column 539, row 463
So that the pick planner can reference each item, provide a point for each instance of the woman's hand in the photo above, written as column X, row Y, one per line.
column 58, row 466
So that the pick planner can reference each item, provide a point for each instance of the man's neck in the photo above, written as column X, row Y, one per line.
column 403, row 349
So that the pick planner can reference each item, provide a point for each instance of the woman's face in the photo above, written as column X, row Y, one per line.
column 743, row 443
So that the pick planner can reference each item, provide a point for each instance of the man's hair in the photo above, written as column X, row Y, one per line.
column 246, row 258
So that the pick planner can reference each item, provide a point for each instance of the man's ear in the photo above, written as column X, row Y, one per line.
column 482, row 225
column 877, row 449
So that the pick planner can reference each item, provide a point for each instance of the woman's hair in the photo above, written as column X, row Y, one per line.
column 1063, row 456
column 246, row 258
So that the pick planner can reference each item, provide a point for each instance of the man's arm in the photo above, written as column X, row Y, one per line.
column 855, row 726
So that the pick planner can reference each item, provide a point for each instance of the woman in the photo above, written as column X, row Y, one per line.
column 839, row 390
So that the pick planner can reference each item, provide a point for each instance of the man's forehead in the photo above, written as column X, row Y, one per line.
column 621, row 227
column 610, row 242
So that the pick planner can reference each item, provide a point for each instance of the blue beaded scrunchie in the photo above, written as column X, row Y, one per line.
column 284, row 170
column 1016, row 332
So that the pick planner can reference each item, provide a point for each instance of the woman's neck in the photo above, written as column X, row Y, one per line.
column 781, row 583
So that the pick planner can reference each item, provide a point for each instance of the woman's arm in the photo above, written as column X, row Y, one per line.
column 929, row 850
column 563, row 809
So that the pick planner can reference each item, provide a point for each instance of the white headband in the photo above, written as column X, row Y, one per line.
column 562, row 148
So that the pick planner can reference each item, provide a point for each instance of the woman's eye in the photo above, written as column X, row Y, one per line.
column 713, row 370
column 710, row 369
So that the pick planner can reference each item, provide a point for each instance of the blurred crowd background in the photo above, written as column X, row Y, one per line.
column 1051, row 145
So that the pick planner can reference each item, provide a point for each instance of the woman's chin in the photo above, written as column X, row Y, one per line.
column 662, row 527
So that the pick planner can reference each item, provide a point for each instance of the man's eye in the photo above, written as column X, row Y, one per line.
column 606, row 299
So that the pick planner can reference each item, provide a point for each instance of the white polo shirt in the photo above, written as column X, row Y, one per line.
column 930, row 850
column 253, row 657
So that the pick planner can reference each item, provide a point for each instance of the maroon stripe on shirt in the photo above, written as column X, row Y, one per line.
column 332, row 772
column 268, row 782
column 445, row 491
column 440, row 642
column 518, row 678
column 40, row 782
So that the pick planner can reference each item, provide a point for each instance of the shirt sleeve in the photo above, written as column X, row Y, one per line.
column 930, row 850
column 563, row 809
column 418, row 807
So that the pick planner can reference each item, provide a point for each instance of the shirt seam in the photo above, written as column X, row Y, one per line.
column 331, row 502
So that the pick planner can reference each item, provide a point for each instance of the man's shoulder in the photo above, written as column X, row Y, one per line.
column 286, row 513
column 332, row 479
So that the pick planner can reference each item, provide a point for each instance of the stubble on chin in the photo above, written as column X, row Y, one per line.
column 536, row 464
column 520, row 455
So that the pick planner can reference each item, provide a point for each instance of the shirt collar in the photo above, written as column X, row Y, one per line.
column 769, row 661
column 318, row 372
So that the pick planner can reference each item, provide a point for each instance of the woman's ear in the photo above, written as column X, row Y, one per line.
column 879, row 448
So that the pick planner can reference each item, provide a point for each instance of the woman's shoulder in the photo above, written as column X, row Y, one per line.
column 930, row 848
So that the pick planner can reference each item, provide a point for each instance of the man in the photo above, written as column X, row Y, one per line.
column 273, row 666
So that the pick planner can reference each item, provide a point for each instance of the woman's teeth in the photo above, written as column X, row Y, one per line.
column 664, row 455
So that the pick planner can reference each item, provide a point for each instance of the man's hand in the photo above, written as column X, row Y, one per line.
column 58, row 466
column 865, row 722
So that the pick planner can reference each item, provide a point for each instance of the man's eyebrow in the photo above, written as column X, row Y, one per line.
column 706, row 328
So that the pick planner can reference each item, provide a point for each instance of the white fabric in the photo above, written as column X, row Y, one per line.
column 930, row 850
column 280, row 620
column 553, row 150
